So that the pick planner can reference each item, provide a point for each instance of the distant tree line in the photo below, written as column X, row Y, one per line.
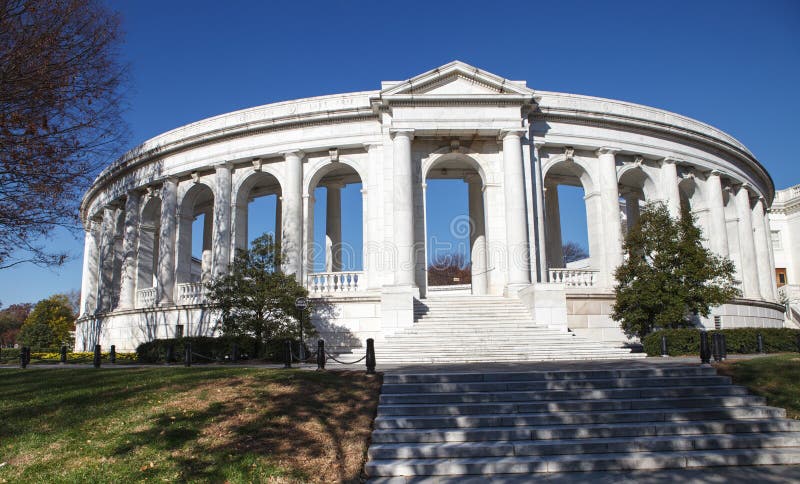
column 48, row 324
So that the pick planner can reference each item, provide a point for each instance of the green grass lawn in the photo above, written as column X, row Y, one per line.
column 777, row 378
column 184, row 424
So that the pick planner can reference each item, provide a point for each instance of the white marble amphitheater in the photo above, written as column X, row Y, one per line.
column 511, row 144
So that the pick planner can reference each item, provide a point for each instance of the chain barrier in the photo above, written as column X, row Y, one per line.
column 328, row 355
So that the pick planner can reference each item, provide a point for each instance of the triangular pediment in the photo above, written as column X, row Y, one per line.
column 456, row 79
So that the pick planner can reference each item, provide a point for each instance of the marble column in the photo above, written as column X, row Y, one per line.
column 554, row 244
column 517, row 250
column 477, row 236
column 127, row 291
column 718, row 236
column 541, row 244
column 609, row 203
column 278, row 219
column 105, row 289
column 747, row 246
column 773, row 277
column 333, row 227
column 292, row 219
column 403, row 191
column 166, row 242
column 373, row 208
column 220, row 252
column 762, row 242
column 632, row 209
column 183, row 243
column 669, row 185
column 90, row 269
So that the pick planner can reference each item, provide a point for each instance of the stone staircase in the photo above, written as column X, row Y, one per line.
column 458, row 329
column 622, row 416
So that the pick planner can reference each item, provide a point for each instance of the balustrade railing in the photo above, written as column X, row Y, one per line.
column 574, row 277
column 190, row 293
column 335, row 283
column 146, row 298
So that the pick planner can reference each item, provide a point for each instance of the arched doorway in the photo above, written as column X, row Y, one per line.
column 334, row 257
column 147, row 252
column 195, row 229
column 456, row 255
column 257, row 209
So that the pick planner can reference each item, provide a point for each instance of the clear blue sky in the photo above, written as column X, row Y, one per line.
column 732, row 64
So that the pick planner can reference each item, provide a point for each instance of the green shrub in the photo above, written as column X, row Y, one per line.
column 9, row 355
column 738, row 340
column 212, row 349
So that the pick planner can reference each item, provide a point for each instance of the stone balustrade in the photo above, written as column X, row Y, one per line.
column 146, row 298
column 335, row 283
column 574, row 277
column 191, row 293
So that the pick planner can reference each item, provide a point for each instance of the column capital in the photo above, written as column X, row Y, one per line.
column 292, row 154
column 607, row 150
column 404, row 132
column 671, row 160
column 334, row 185
column 716, row 173
column 472, row 179
column 225, row 164
column 516, row 132
column 538, row 144
column 371, row 145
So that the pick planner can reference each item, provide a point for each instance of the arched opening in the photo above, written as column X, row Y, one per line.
column 195, row 229
column 732, row 230
column 257, row 209
column 635, row 189
column 569, row 244
column 147, row 253
column 116, row 270
column 455, row 227
column 335, row 235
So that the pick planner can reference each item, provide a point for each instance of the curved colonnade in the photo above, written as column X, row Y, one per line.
column 511, row 144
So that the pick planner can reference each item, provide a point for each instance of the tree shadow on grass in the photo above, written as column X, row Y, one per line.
column 209, row 424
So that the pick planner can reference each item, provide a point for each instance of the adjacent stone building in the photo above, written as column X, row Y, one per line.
column 512, row 144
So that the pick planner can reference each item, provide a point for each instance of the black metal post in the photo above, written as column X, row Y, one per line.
column 716, row 347
column 798, row 343
column 760, row 343
column 97, row 356
column 28, row 355
column 235, row 353
column 170, row 353
column 705, row 351
column 320, row 355
column 370, row 356
column 302, row 350
column 287, row 354
column 187, row 354
column 664, row 353
column 63, row 355
column 723, row 347
column 112, row 354
column 23, row 357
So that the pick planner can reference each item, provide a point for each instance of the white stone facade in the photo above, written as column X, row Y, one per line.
column 784, row 220
column 512, row 145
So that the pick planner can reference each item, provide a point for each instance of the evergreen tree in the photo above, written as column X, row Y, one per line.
column 256, row 298
column 668, row 278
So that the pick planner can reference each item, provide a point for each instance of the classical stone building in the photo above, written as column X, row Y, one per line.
column 784, row 219
column 512, row 144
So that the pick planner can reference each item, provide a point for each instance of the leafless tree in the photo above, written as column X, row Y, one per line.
column 573, row 251
column 61, row 87
column 449, row 269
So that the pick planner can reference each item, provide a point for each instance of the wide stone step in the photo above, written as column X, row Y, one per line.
column 565, row 406
column 457, row 377
column 530, row 396
column 501, row 386
column 630, row 430
column 572, row 418
column 512, row 448
column 581, row 463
